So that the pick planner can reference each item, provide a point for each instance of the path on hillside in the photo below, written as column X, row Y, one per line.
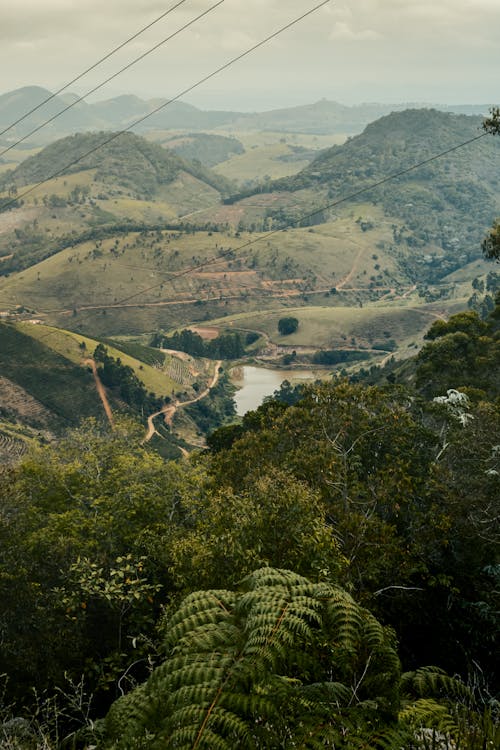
column 100, row 390
column 169, row 409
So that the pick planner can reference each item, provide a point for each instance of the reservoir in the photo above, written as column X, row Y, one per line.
column 255, row 383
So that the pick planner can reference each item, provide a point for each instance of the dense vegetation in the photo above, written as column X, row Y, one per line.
column 207, row 149
column 114, row 374
column 382, row 492
column 434, row 202
column 228, row 345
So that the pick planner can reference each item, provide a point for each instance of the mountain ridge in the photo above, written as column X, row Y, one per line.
column 321, row 117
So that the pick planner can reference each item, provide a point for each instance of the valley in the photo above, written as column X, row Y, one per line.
column 108, row 238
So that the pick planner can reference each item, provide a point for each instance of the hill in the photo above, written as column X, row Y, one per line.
column 208, row 149
column 40, row 387
column 52, row 378
column 125, row 184
column 124, row 159
column 432, row 204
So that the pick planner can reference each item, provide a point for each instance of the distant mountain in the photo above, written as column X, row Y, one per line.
column 322, row 117
column 15, row 104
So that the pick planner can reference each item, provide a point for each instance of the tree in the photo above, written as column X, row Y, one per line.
column 288, row 325
column 97, row 496
column 491, row 243
column 492, row 124
column 282, row 662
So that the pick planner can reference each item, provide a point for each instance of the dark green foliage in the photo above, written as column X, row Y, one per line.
column 287, row 325
column 281, row 662
column 67, row 514
column 404, row 478
column 464, row 352
column 335, row 356
column 114, row 374
column 208, row 149
column 216, row 408
column 228, row 345
column 491, row 243
column 492, row 124
column 440, row 195
column 147, row 354
column 127, row 160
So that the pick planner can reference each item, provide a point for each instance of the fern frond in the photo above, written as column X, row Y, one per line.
column 283, row 663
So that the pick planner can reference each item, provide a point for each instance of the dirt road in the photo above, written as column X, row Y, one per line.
column 169, row 409
column 100, row 390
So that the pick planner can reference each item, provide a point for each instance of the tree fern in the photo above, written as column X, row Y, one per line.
column 282, row 663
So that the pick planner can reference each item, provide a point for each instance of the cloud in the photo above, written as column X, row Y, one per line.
column 342, row 30
column 445, row 49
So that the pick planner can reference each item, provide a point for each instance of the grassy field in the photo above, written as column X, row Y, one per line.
column 136, row 282
column 264, row 152
column 259, row 162
column 347, row 327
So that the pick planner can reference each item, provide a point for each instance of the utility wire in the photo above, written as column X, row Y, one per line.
column 92, row 67
column 110, row 78
column 309, row 215
column 167, row 103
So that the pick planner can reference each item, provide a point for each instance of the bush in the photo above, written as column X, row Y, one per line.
column 286, row 326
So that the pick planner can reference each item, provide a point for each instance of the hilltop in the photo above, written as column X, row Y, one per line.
column 102, row 190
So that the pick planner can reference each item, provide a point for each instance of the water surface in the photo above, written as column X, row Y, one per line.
column 255, row 383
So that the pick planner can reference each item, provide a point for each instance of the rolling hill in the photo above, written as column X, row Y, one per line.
column 123, row 159
column 101, row 191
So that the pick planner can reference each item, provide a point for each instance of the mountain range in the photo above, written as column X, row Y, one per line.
column 322, row 117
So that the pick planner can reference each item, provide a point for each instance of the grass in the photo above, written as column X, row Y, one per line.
column 260, row 161
column 64, row 388
column 80, row 287
column 336, row 327
column 67, row 344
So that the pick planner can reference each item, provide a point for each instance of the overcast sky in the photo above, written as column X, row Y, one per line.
column 442, row 51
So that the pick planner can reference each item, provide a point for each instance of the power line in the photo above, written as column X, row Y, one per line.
column 111, row 78
column 206, row 78
column 309, row 215
column 92, row 67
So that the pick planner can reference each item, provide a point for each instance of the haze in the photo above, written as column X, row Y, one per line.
column 444, row 51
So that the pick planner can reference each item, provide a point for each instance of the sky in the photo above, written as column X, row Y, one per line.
column 444, row 51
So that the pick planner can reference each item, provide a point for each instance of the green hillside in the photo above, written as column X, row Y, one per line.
column 123, row 159
column 436, row 201
column 128, row 183
column 207, row 148
column 64, row 390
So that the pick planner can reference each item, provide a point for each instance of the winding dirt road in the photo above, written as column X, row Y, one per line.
column 169, row 409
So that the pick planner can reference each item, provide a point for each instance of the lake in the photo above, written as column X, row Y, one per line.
column 255, row 383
